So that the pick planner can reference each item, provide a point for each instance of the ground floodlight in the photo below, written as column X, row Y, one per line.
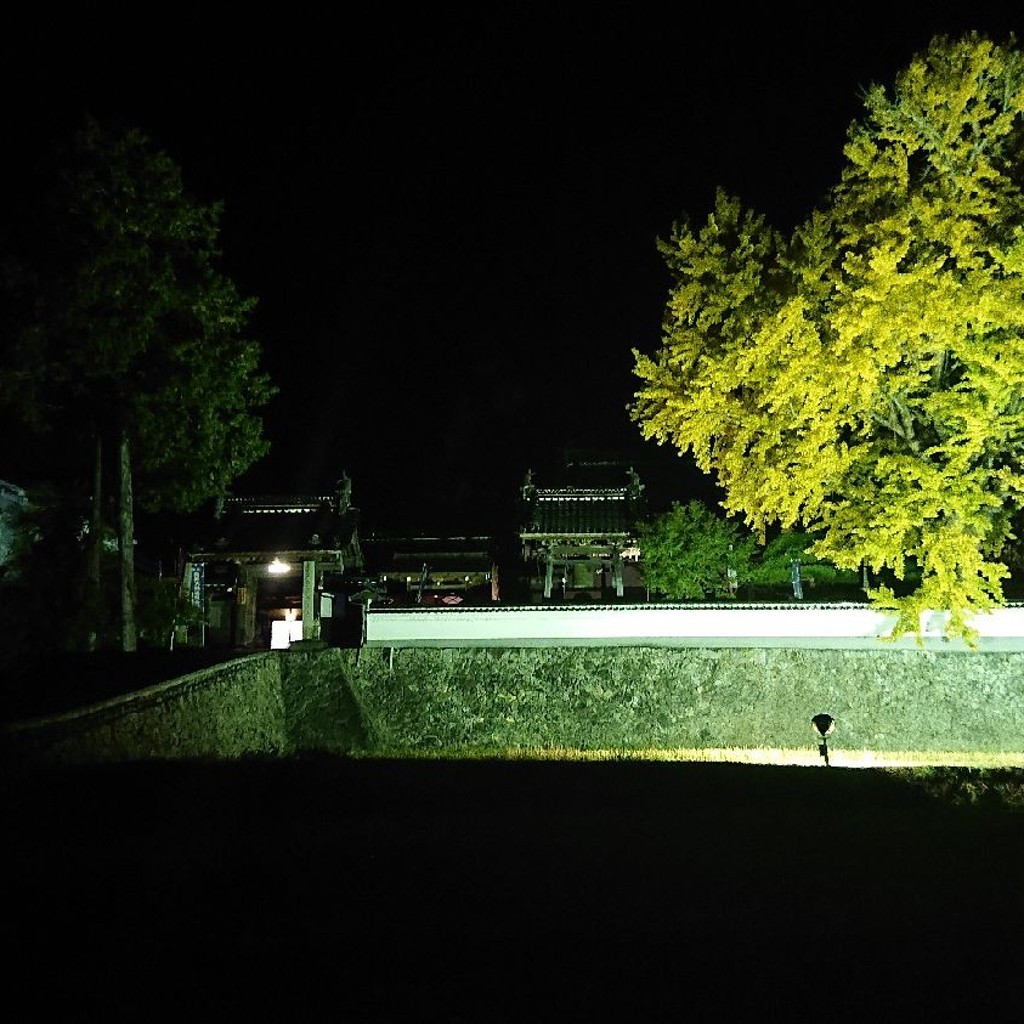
column 824, row 725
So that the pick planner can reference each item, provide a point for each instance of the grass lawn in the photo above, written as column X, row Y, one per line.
column 525, row 890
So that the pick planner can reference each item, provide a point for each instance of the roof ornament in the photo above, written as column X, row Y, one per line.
column 343, row 490
column 529, row 490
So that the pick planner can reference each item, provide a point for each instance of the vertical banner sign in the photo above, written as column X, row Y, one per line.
column 196, row 583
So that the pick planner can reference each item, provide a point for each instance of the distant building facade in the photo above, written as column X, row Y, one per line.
column 578, row 534
column 433, row 571
column 274, row 570
column 277, row 569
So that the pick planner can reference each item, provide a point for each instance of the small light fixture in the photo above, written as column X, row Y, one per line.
column 824, row 725
column 277, row 567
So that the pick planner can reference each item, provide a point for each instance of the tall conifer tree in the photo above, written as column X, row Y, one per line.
column 137, row 340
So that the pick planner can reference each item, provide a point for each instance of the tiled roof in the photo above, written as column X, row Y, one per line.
column 469, row 561
column 407, row 555
column 279, row 527
column 589, row 496
column 571, row 512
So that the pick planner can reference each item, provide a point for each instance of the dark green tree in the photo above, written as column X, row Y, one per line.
column 689, row 553
column 773, row 563
column 133, row 340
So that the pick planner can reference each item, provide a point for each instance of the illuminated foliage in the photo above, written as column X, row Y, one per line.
column 773, row 563
column 864, row 378
column 688, row 550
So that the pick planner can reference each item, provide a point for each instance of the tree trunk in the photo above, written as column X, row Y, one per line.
column 92, row 577
column 126, row 537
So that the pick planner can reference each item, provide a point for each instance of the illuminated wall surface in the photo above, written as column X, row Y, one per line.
column 749, row 704
column 283, row 632
column 853, row 626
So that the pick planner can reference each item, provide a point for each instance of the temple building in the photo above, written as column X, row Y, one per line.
column 578, row 532
column 445, row 571
column 275, row 570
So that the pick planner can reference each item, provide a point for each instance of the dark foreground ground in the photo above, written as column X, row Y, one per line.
column 529, row 891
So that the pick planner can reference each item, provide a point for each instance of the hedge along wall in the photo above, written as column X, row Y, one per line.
column 696, row 699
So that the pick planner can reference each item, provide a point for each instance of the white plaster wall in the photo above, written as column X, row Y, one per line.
column 838, row 626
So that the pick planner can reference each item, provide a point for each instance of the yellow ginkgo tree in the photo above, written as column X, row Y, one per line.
column 864, row 377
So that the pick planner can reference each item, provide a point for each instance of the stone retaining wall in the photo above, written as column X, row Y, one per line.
column 223, row 711
column 370, row 701
column 695, row 699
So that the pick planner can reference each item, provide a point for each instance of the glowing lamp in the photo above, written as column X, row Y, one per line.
column 277, row 567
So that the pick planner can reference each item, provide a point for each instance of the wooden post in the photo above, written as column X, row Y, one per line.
column 126, row 542
column 245, row 607
column 310, row 612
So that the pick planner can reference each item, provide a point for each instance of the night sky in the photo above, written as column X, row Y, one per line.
column 450, row 221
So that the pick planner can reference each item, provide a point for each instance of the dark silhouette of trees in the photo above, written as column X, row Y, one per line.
column 129, row 347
